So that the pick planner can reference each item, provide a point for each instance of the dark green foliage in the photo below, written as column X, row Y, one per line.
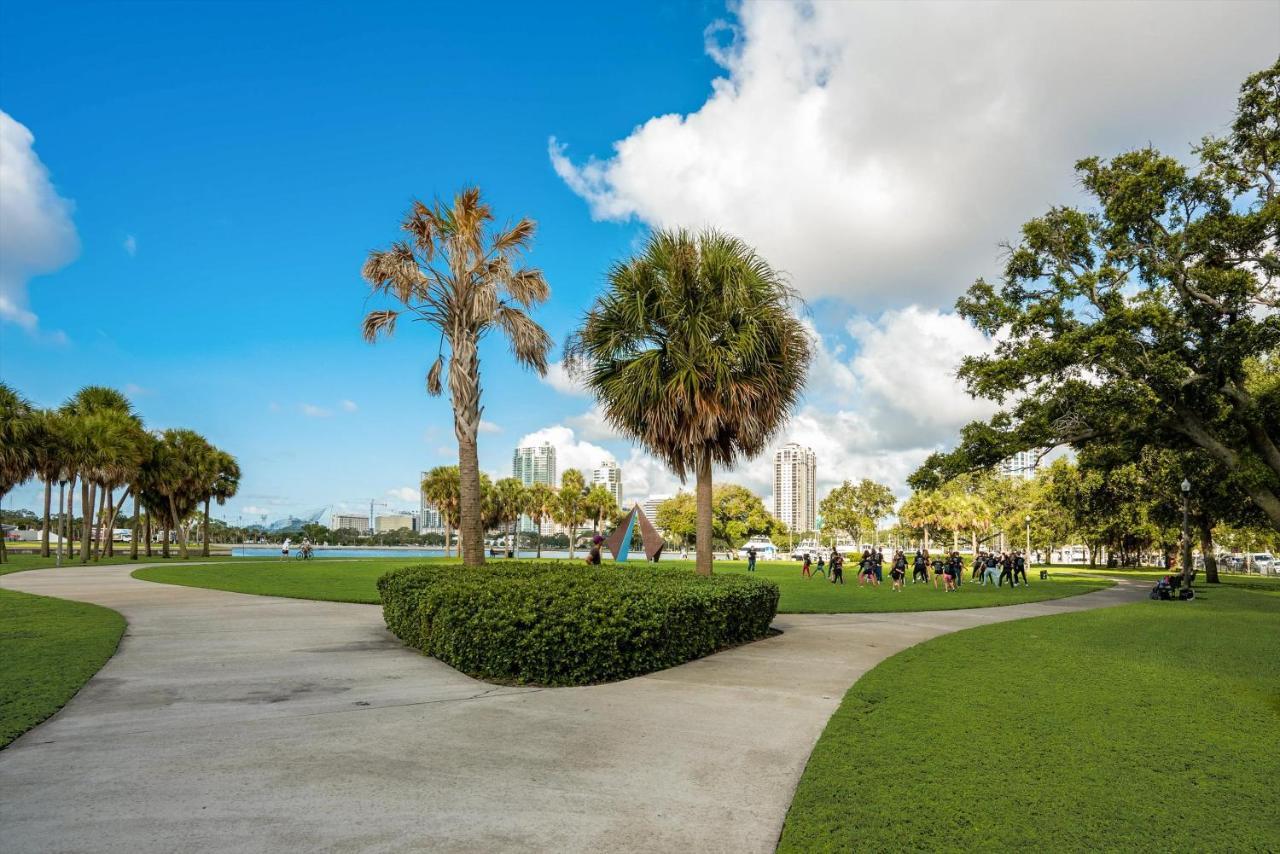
column 566, row 624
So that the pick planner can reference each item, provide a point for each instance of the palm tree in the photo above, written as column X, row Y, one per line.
column 510, row 499
column 117, row 441
column 569, row 509
column 17, row 448
column 222, row 480
column 542, row 500
column 599, row 504
column 695, row 352
column 176, row 479
column 440, row 486
column 461, row 276
column 89, row 455
column 49, row 444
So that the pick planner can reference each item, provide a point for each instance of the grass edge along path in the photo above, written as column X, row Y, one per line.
column 1143, row 727
column 50, row 649
column 342, row 580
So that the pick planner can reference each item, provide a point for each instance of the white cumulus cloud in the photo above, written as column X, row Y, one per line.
column 404, row 493
column 880, row 152
column 558, row 378
column 312, row 411
column 489, row 427
column 571, row 452
column 36, row 232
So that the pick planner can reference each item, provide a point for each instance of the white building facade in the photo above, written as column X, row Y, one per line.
column 530, row 465
column 795, row 487
column 609, row 475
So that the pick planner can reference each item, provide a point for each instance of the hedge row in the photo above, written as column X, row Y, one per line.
column 566, row 624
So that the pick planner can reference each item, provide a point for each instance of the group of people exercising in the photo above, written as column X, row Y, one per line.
column 947, row 568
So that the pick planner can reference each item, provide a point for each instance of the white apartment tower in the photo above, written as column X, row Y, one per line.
column 609, row 475
column 534, row 464
column 795, row 489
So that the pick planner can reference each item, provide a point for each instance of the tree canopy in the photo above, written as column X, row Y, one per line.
column 1150, row 318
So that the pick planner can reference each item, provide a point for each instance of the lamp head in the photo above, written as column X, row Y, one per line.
column 1186, row 486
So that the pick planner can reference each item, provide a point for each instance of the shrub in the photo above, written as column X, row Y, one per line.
column 566, row 624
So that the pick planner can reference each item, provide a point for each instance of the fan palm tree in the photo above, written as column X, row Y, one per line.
column 510, row 499
column 117, row 448
column 569, row 509
column 542, row 501
column 49, row 445
column 695, row 352
column 89, row 456
column 176, row 478
column 440, row 487
column 599, row 504
column 222, row 480
column 461, row 276
column 17, row 449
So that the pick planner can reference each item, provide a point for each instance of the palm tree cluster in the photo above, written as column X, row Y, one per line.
column 505, row 501
column 96, row 440
column 694, row 351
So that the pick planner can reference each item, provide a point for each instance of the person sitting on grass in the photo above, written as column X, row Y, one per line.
column 837, row 566
column 805, row 571
column 898, row 571
column 920, row 567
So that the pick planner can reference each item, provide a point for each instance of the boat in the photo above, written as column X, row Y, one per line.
column 809, row 547
column 765, row 549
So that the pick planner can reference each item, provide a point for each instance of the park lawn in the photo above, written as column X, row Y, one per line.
column 50, row 648
column 342, row 580
column 1144, row 727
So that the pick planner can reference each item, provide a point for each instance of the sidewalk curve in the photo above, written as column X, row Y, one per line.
column 232, row 722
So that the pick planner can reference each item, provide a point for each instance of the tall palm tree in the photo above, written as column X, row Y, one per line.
column 510, row 500
column 177, row 479
column 117, row 440
column 599, row 504
column 461, row 276
column 91, row 455
column 221, row 480
column 50, row 447
column 569, row 510
column 542, row 499
column 17, row 448
column 695, row 352
column 440, row 486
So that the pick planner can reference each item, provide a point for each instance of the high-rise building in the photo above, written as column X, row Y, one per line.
column 534, row 464
column 795, row 488
column 650, row 507
column 1023, row 464
column 392, row 522
column 358, row 521
column 609, row 475
column 428, row 515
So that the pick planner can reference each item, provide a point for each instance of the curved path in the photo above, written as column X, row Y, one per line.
column 233, row 722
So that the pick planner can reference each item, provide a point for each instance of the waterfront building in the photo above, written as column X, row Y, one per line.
column 609, row 475
column 392, row 522
column 359, row 522
column 534, row 464
column 795, row 487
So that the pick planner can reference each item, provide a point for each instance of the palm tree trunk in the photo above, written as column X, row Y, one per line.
column 540, row 517
column 181, row 528
column 111, row 523
column 68, row 532
column 100, row 498
column 146, row 533
column 86, row 514
column 44, row 530
column 164, row 540
column 204, row 549
column 464, row 389
column 133, row 540
column 704, row 516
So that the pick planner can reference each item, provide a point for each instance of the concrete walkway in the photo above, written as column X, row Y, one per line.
column 231, row 722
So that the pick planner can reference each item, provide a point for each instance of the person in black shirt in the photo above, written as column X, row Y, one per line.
column 1020, row 568
column 920, row 567
column 1006, row 570
column 593, row 558
column 899, row 570
column 837, row 566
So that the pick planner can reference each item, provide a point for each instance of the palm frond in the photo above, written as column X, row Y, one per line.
column 379, row 322
column 433, row 377
column 529, row 342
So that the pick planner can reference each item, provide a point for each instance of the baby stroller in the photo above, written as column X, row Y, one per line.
column 1167, row 588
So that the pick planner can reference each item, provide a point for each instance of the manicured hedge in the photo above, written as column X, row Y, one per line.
column 567, row 624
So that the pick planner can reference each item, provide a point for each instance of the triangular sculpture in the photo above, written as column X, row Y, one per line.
column 619, row 542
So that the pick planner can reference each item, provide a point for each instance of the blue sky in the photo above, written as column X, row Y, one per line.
column 229, row 165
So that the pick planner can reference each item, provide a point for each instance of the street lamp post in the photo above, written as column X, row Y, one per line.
column 1186, row 534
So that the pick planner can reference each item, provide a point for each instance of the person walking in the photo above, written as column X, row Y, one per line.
column 1006, row 570
column 898, row 571
column 1020, row 568
column 920, row 567
column 805, row 568
column 751, row 559
column 821, row 567
column 877, row 562
column 837, row 566
column 284, row 549
column 988, row 572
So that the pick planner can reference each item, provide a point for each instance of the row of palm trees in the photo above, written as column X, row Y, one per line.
column 504, row 502
column 96, row 441
column 693, row 350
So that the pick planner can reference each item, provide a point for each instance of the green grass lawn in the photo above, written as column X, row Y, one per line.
column 1146, row 727
column 50, row 648
column 354, row 581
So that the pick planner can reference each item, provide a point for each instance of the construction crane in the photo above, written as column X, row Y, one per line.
column 373, row 502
